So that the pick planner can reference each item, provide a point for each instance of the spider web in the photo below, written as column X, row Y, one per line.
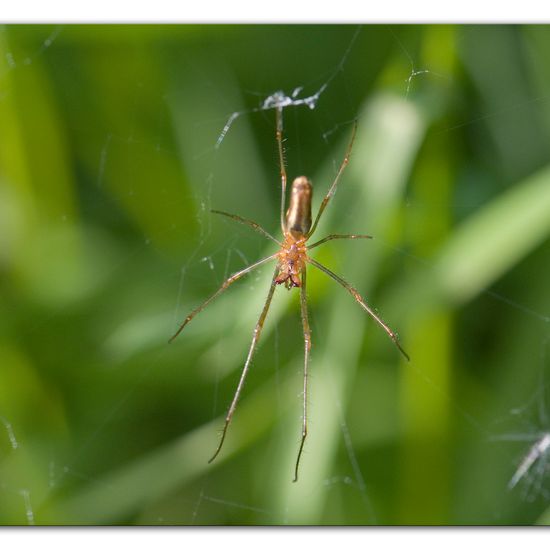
column 213, row 162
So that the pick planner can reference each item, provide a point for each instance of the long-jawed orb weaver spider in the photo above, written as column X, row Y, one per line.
column 292, row 259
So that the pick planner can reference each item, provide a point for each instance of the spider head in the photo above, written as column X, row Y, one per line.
column 290, row 280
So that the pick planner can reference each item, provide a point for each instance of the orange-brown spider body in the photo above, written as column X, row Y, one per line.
column 292, row 260
column 293, row 253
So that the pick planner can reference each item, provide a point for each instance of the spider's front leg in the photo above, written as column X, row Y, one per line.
column 307, row 349
column 252, row 349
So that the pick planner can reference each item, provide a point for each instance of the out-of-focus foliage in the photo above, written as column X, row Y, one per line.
column 109, row 167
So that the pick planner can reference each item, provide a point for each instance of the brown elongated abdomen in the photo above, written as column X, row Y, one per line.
column 298, row 215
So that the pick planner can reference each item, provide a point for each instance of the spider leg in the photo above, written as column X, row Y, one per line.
column 256, row 226
column 252, row 349
column 307, row 349
column 331, row 237
column 332, row 189
column 359, row 299
column 279, row 135
column 224, row 286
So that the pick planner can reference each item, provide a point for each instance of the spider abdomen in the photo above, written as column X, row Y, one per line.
column 298, row 215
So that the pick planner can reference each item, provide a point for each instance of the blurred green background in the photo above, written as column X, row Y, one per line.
column 108, row 171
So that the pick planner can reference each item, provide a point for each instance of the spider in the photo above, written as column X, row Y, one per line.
column 292, row 259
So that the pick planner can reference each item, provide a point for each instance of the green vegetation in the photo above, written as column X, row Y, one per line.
column 108, row 170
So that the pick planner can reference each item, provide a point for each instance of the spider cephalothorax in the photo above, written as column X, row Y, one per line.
column 292, row 259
